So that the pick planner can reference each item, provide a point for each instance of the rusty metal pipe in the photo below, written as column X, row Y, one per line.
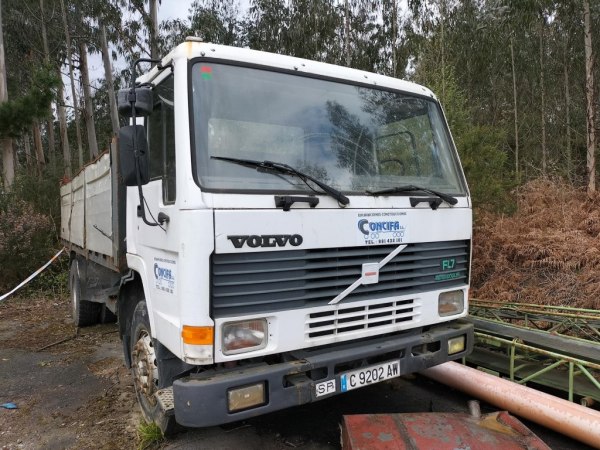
column 570, row 419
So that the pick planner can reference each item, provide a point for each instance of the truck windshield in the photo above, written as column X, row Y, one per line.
column 353, row 138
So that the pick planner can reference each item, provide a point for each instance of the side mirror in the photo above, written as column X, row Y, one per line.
column 143, row 101
column 127, row 135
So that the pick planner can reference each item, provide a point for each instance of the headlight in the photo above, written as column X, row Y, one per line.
column 244, row 336
column 450, row 303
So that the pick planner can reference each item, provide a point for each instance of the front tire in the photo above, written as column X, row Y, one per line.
column 144, row 369
column 84, row 313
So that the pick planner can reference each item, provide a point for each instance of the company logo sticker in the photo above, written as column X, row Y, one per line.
column 165, row 275
column 381, row 228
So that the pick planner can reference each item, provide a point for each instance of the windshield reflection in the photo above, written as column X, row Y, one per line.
column 351, row 137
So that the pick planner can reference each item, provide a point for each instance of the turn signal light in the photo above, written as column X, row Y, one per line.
column 197, row 335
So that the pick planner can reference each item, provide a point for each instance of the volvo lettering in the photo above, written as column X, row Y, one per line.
column 273, row 240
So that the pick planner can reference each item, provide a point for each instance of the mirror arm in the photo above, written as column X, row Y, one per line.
column 132, row 100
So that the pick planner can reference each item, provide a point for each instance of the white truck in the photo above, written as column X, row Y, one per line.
column 271, row 231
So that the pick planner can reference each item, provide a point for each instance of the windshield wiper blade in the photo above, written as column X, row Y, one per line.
column 412, row 188
column 276, row 167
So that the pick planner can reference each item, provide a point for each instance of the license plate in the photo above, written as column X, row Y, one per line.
column 369, row 375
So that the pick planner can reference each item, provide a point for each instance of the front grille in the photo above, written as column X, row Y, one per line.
column 347, row 318
column 263, row 282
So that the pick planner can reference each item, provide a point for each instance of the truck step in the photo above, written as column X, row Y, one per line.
column 165, row 399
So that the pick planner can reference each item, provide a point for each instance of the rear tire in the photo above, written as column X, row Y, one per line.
column 107, row 316
column 84, row 313
column 144, row 369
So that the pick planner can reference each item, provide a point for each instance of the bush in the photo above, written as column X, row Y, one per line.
column 27, row 240
column 485, row 166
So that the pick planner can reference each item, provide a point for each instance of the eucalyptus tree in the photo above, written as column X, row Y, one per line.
column 266, row 25
column 8, row 164
column 69, row 52
column 590, row 93
column 28, row 59
column 219, row 22
column 139, row 31
column 362, row 26
column 312, row 30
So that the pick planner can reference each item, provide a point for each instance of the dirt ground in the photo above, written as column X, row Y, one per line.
column 71, row 389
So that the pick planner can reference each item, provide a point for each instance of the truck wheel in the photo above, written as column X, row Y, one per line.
column 144, row 369
column 107, row 316
column 84, row 313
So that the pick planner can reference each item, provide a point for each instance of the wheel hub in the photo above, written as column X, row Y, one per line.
column 145, row 370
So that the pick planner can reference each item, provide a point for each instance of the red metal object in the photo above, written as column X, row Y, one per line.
column 437, row 431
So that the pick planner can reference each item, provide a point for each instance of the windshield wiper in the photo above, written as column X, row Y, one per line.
column 412, row 188
column 275, row 167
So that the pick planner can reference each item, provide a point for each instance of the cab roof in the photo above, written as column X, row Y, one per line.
column 194, row 48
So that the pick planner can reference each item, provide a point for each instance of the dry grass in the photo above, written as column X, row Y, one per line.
column 546, row 253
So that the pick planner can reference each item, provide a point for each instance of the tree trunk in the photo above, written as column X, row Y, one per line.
column 569, row 155
column 50, row 121
column 8, row 156
column 515, row 110
column 543, row 99
column 27, row 147
column 443, row 50
column 8, row 163
column 73, row 90
column 394, row 36
column 114, row 115
column 39, row 150
column 590, row 97
column 153, row 29
column 347, row 34
column 64, row 136
column 87, row 96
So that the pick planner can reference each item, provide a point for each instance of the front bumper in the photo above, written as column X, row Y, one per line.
column 201, row 399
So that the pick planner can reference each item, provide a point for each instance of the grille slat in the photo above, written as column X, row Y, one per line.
column 270, row 281
column 388, row 272
column 362, row 320
column 352, row 255
column 354, row 268
column 348, row 319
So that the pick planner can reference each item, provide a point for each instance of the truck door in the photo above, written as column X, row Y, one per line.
column 158, row 245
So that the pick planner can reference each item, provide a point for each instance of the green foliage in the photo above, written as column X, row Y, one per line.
column 52, row 282
column 149, row 435
column 481, row 147
column 485, row 166
column 42, row 193
column 17, row 115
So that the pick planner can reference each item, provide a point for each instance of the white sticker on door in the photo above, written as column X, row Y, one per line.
column 165, row 275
